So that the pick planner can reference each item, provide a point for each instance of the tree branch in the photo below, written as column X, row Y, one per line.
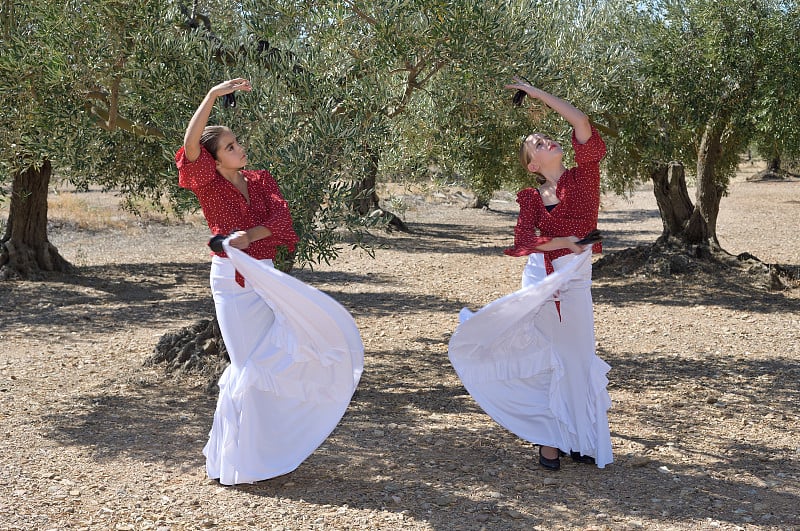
column 113, row 106
column 104, row 120
column 361, row 14
column 413, row 82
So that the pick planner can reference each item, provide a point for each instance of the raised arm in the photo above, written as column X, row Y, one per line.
column 191, row 140
column 576, row 118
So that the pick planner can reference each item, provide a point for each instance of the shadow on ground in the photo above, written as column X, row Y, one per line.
column 402, row 445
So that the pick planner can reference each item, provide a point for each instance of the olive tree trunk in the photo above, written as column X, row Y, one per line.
column 774, row 165
column 24, row 248
column 672, row 197
column 773, row 171
column 365, row 198
column 679, row 217
column 694, row 224
column 709, row 190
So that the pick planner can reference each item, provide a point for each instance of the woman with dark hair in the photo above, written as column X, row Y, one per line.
column 296, row 355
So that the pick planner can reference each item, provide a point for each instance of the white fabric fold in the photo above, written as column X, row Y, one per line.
column 534, row 372
column 296, row 359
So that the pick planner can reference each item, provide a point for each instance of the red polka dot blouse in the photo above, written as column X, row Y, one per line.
column 578, row 192
column 226, row 209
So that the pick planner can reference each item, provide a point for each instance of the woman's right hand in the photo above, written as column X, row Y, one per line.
column 232, row 85
column 570, row 242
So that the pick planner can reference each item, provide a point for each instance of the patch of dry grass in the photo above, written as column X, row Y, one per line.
column 68, row 208
column 97, row 210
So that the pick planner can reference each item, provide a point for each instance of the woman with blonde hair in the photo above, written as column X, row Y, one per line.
column 529, row 358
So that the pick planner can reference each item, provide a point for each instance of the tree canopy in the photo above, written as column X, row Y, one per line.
column 696, row 82
column 350, row 92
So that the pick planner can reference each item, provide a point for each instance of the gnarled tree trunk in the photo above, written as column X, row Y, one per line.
column 774, row 165
column 773, row 172
column 24, row 249
column 478, row 202
column 709, row 190
column 679, row 216
column 685, row 230
column 672, row 197
column 693, row 224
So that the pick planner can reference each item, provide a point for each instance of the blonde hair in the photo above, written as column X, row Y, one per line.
column 525, row 158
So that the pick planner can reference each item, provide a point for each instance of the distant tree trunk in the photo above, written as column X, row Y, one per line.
column 773, row 171
column 774, row 165
column 365, row 198
column 478, row 202
column 24, row 249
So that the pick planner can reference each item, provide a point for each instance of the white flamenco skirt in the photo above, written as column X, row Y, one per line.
column 296, row 359
column 535, row 374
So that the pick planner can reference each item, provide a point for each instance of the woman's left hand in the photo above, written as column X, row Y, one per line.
column 521, row 84
column 239, row 240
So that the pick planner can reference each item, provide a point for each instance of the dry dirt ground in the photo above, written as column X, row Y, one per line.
column 704, row 383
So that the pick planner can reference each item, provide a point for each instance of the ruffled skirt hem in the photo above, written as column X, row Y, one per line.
column 527, row 371
column 289, row 384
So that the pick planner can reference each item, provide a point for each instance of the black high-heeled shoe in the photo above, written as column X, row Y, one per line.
column 580, row 458
column 550, row 464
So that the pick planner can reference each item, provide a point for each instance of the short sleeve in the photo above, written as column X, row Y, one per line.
column 194, row 175
column 592, row 151
column 279, row 221
column 526, row 239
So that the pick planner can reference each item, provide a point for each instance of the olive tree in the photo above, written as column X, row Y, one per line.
column 84, row 94
column 776, row 113
column 100, row 93
column 689, row 86
column 396, row 74
column 37, row 102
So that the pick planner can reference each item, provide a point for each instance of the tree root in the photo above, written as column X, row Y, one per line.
column 195, row 350
column 671, row 257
